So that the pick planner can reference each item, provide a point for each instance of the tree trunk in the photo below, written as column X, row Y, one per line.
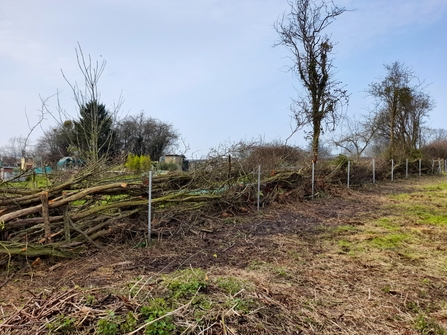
column 316, row 139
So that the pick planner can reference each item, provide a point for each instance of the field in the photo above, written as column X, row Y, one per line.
column 369, row 260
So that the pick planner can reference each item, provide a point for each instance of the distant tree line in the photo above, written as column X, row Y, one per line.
column 139, row 135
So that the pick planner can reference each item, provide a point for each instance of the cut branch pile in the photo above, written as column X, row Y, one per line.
column 64, row 217
column 59, row 220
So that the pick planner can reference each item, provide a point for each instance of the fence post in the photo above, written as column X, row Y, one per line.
column 149, row 215
column 433, row 167
column 259, row 187
column 313, row 178
column 392, row 170
column 349, row 172
column 439, row 167
column 420, row 167
column 374, row 171
column 406, row 168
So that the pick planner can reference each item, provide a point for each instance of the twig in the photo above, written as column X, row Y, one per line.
column 83, row 234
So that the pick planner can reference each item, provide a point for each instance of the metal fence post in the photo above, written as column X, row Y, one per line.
column 149, row 216
column 392, row 170
column 374, row 171
column 313, row 178
column 420, row 167
column 259, row 186
column 349, row 172
column 406, row 168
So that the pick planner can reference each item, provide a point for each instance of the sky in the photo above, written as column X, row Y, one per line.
column 207, row 67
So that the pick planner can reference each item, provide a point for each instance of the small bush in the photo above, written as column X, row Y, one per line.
column 137, row 163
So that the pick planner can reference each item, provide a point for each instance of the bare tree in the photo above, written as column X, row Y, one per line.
column 93, row 136
column 402, row 108
column 356, row 135
column 302, row 32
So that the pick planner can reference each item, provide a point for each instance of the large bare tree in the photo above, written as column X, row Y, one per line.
column 302, row 32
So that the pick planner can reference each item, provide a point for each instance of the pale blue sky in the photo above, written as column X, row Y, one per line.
column 208, row 67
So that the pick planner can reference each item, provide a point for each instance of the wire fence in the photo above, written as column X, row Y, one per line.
column 348, row 173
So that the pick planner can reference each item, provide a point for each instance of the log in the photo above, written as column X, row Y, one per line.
column 22, row 212
column 36, row 250
column 29, row 222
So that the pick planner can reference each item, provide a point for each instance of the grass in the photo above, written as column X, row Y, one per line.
column 390, row 241
column 411, row 234
column 416, row 231
column 388, row 223
column 417, row 222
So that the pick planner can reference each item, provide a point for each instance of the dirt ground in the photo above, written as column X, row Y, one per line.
column 303, row 284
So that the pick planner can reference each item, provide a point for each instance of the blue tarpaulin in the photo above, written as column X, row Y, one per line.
column 46, row 169
column 69, row 161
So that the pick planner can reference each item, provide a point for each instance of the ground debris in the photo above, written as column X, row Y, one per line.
column 61, row 310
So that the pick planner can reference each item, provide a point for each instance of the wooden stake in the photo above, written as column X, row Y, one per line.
column 46, row 216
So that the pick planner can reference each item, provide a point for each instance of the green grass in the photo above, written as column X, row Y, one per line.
column 388, row 224
column 426, row 207
column 345, row 229
column 436, row 187
column 390, row 241
column 413, row 229
column 231, row 285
